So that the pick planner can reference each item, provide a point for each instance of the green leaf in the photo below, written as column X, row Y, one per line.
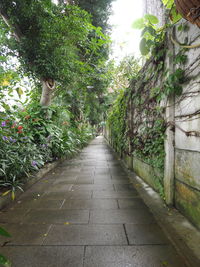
column 138, row 24
column 144, row 49
column 4, row 232
column 168, row 3
column 174, row 15
column 151, row 19
column 4, row 261
column 150, row 30
column 5, row 106
column 19, row 92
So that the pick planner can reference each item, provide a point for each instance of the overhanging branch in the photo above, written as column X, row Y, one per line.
column 14, row 27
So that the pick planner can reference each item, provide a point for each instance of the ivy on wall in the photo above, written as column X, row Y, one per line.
column 117, row 122
column 137, row 121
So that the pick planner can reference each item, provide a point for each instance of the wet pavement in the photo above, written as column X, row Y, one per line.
column 85, row 213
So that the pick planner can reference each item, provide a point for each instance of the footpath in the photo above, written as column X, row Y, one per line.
column 85, row 213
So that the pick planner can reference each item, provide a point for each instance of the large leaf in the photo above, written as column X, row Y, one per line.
column 150, row 30
column 138, row 24
column 151, row 18
column 4, row 232
column 144, row 49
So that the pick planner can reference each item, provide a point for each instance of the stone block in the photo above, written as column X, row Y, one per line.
column 187, row 168
column 187, row 201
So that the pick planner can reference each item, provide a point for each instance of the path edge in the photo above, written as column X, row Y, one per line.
column 183, row 235
column 34, row 178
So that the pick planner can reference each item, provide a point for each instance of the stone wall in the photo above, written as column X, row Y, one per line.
column 187, row 134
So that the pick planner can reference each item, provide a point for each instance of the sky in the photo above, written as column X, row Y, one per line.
column 125, row 38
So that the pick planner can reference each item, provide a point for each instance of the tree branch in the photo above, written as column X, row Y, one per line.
column 14, row 27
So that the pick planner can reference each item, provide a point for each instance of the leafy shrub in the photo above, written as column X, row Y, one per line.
column 30, row 138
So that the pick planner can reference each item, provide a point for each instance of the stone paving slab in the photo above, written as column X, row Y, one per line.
column 90, row 204
column 84, row 180
column 135, row 203
column 86, row 194
column 124, row 187
column 28, row 195
column 85, row 175
column 64, row 181
column 37, row 204
column 86, row 235
column 59, row 188
column 25, row 234
column 56, row 216
column 98, row 177
column 10, row 216
column 134, row 216
column 145, row 234
column 95, row 187
column 109, row 181
column 114, row 194
column 49, row 256
column 126, row 256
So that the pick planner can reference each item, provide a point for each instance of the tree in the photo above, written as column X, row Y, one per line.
column 48, row 39
column 100, row 11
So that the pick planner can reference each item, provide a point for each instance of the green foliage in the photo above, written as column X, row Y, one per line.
column 3, row 232
column 31, row 137
column 138, row 128
column 148, row 19
column 117, row 122
column 123, row 74
column 151, row 35
column 173, row 14
column 100, row 11
column 168, row 3
column 57, row 42
column 126, row 71
column 173, row 83
column 3, row 260
column 51, row 37
column 180, row 58
column 148, row 142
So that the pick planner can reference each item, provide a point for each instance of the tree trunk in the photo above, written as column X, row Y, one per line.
column 48, row 86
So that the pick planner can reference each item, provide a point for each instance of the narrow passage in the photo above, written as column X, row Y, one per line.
column 85, row 213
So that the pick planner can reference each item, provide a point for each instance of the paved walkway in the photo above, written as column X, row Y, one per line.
column 85, row 213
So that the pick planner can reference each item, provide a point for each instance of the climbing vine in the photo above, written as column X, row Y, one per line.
column 137, row 120
column 117, row 122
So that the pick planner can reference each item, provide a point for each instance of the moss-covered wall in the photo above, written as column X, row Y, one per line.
column 187, row 184
column 187, row 201
column 150, row 175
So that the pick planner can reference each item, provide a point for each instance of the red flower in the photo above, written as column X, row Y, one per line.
column 20, row 127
